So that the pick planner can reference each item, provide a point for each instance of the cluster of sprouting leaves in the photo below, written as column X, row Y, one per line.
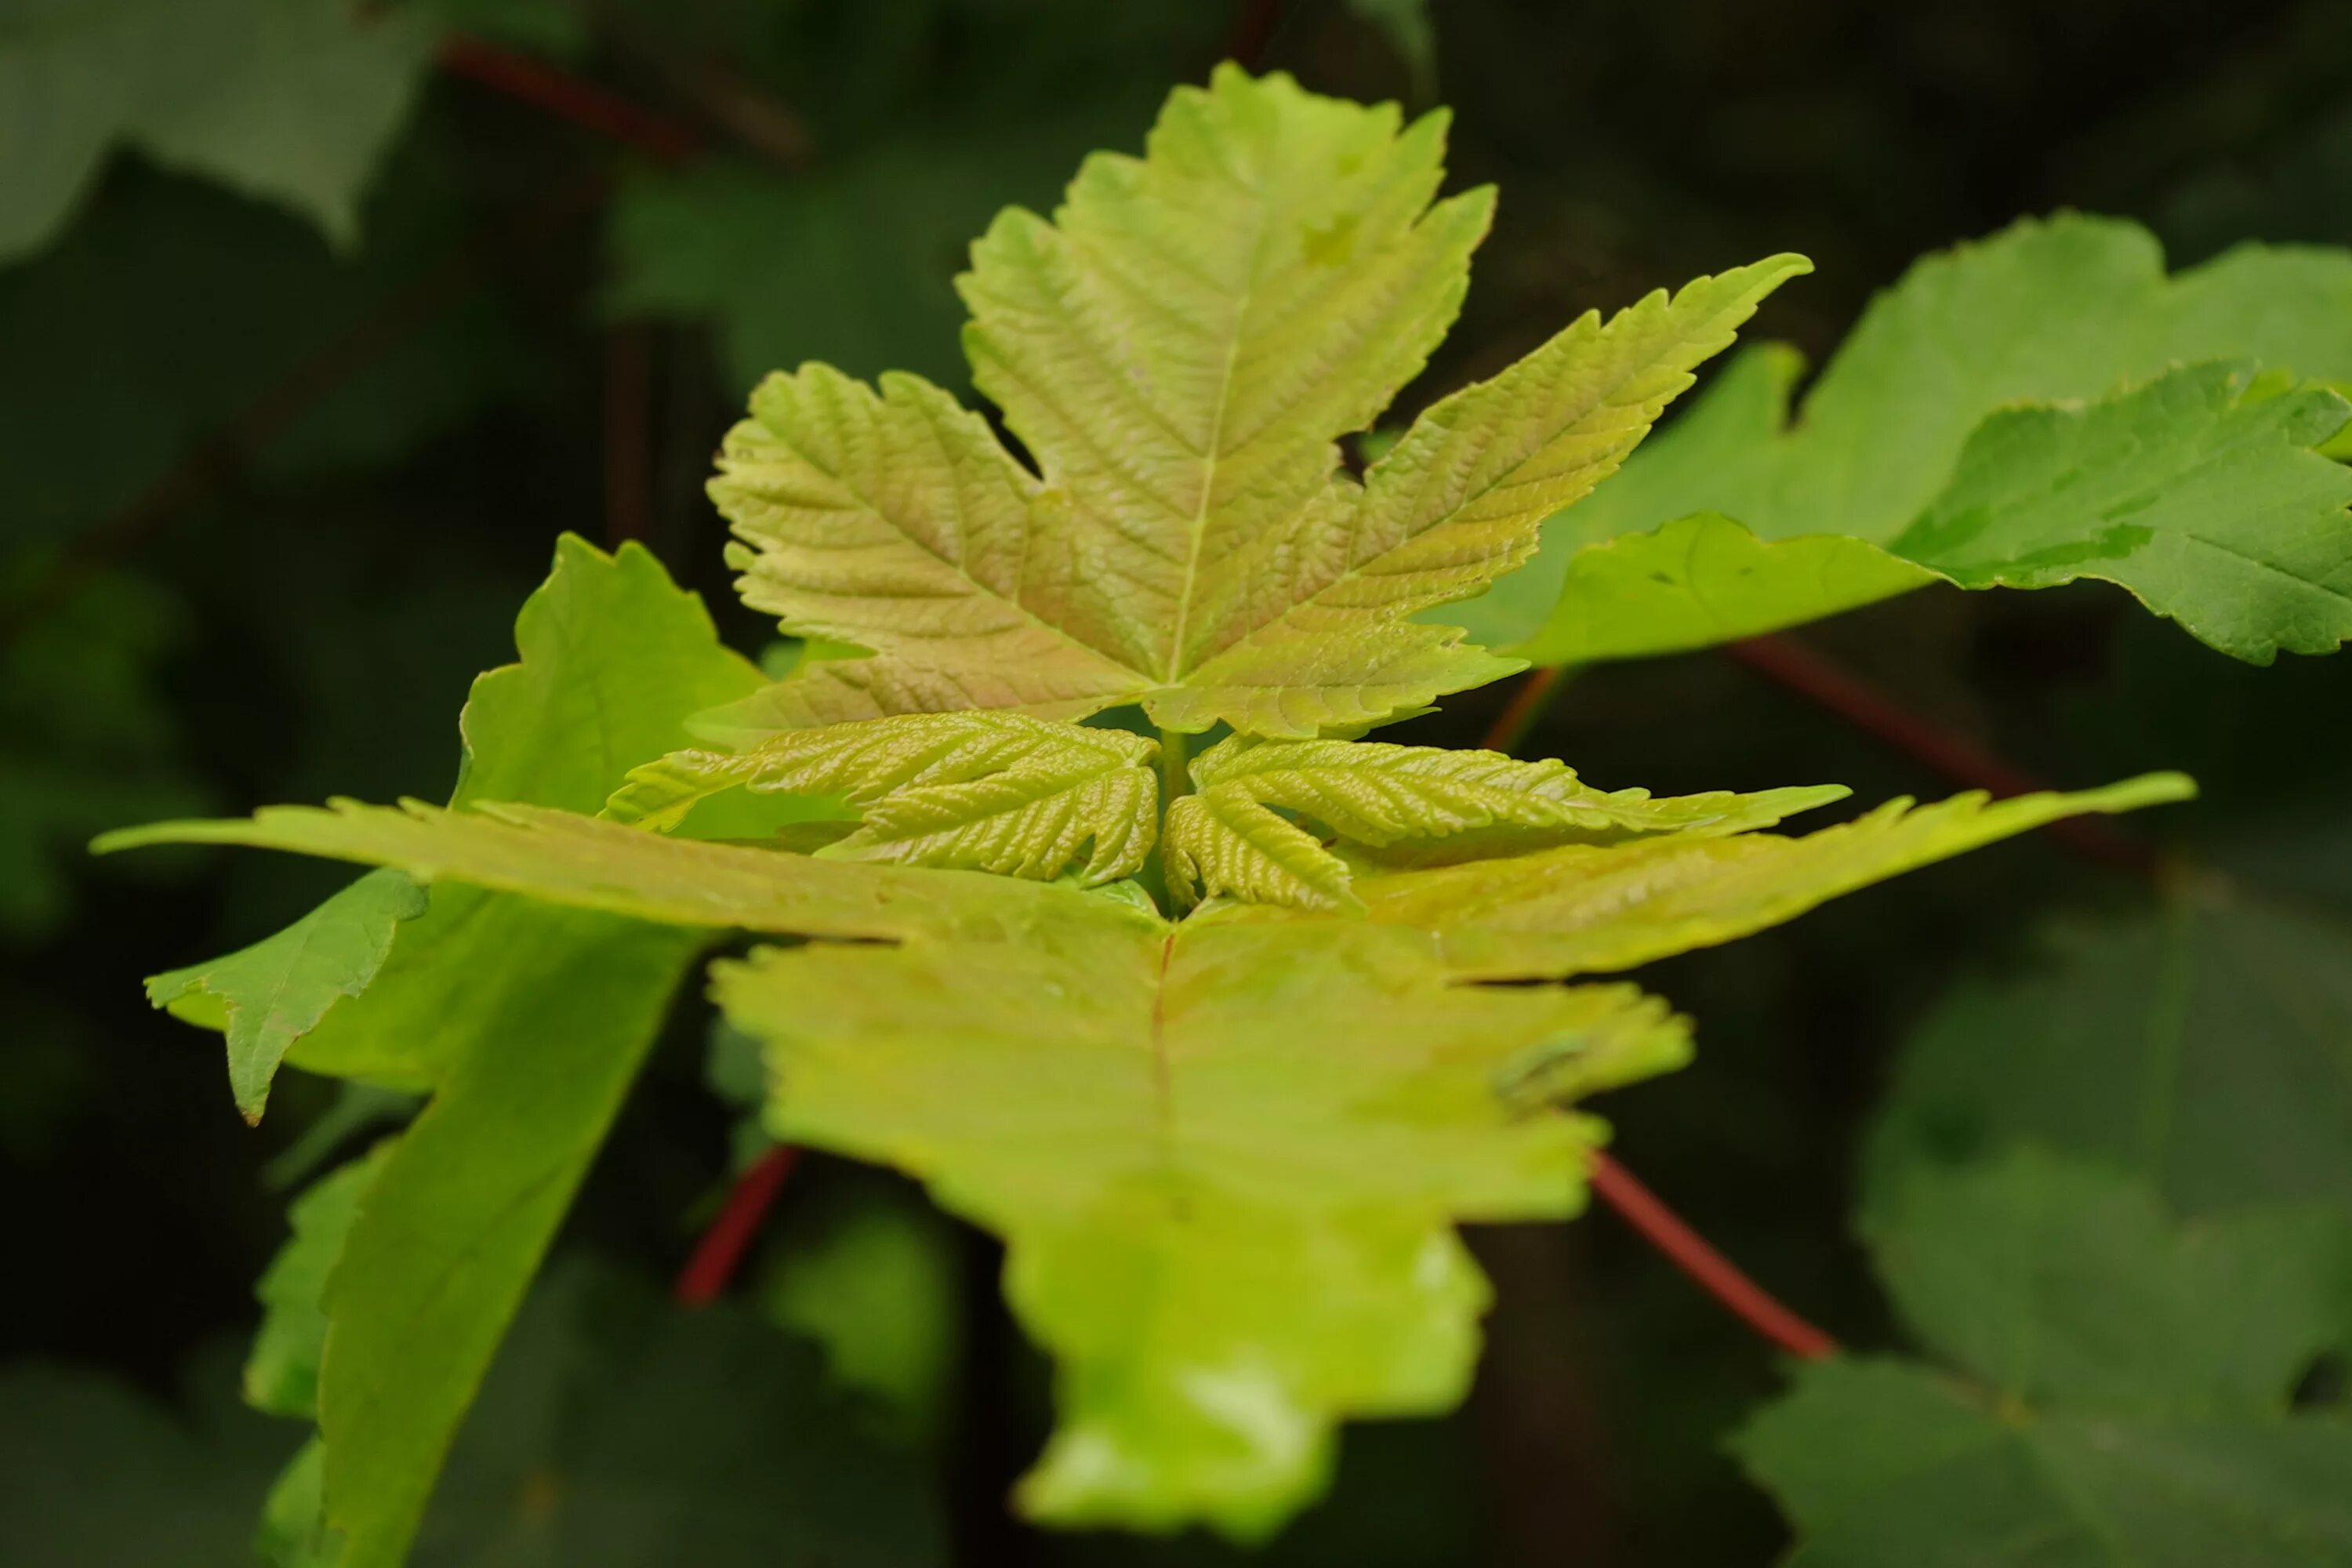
column 1215, row 1042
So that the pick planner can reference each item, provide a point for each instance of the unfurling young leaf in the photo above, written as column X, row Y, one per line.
column 1232, row 838
column 1179, row 349
column 977, row 791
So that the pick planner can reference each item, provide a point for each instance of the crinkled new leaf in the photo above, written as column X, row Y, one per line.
column 978, row 791
column 1238, row 836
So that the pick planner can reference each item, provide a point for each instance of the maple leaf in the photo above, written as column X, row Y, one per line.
column 1179, row 349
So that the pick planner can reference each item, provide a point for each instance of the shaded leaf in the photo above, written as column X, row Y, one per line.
column 293, row 100
column 2206, row 1046
column 94, row 1470
column 268, row 995
column 979, row 791
column 2127, row 1390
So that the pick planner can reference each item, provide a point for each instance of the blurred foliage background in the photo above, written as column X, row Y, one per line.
column 277, row 466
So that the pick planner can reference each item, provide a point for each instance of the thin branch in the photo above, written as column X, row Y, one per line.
column 723, row 1247
column 1526, row 706
column 1716, row 1274
column 568, row 97
column 1820, row 681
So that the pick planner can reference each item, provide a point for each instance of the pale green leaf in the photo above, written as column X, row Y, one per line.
column 2053, row 314
column 1581, row 908
column 281, row 1372
column 575, row 860
column 268, row 995
column 293, row 100
column 1228, row 1220
column 1700, row 581
column 1179, row 351
column 1240, row 836
column 2127, row 1394
column 979, row 791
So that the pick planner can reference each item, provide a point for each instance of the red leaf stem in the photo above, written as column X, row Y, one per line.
column 568, row 97
column 721, row 1250
column 1824, row 682
column 1716, row 1274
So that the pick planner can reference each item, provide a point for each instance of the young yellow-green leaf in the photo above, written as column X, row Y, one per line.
column 270, row 994
column 566, row 859
column 978, row 791
column 898, row 524
column 1582, row 909
column 1920, row 416
column 1306, row 627
column 1234, row 838
column 2127, row 1389
column 1179, row 351
column 1229, row 1217
column 294, row 100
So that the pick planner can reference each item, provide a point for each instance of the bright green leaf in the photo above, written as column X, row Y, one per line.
column 1917, row 406
column 1228, row 1220
column 2127, row 1395
column 293, row 100
column 1700, row 581
column 526, row 1024
column 268, row 995
column 1179, row 349
column 281, row 1374
column 980, row 791
column 2205, row 502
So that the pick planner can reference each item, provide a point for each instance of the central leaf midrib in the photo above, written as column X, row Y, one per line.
column 1196, row 527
